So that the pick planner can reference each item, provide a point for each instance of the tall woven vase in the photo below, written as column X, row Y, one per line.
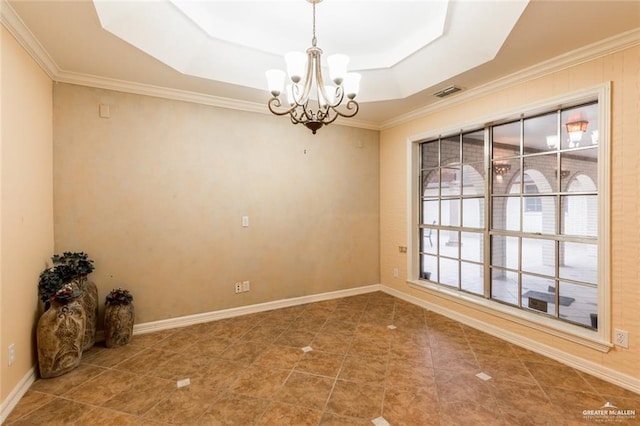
column 89, row 300
column 118, row 324
column 60, row 337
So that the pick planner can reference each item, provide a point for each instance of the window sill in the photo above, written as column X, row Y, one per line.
column 575, row 334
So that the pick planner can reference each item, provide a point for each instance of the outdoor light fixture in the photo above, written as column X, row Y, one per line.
column 305, row 75
column 576, row 129
column 501, row 169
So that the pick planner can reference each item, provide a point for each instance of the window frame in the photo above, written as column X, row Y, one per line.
column 599, row 339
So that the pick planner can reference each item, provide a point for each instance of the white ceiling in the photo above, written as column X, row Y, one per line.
column 405, row 50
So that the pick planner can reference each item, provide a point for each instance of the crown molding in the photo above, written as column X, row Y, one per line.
column 19, row 30
column 585, row 54
column 27, row 40
column 14, row 24
column 181, row 95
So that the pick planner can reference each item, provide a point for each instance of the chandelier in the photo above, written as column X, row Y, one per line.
column 305, row 75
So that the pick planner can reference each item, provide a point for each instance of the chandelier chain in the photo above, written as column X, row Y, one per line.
column 313, row 39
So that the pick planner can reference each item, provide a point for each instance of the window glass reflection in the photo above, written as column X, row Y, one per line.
column 579, row 262
column 580, row 215
column 504, row 286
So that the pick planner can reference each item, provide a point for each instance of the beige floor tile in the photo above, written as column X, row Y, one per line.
column 339, row 327
column 105, row 417
column 359, row 400
column 234, row 410
column 176, row 342
column 144, row 362
column 150, row 339
column 369, row 348
column 419, row 407
column 409, row 377
column 103, row 387
column 364, row 370
column 306, row 390
column 320, row 363
column 179, row 366
column 278, row 356
column 284, row 414
column 331, row 419
column 253, row 370
column 259, row 382
column 109, row 357
column 185, row 405
column 559, row 376
column 208, row 346
column 500, row 367
column 56, row 412
column 456, row 386
column 244, row 351
column 470, row 413
column 411, row 353
column 313, row 322
column 296, row 338
column 331, row 342
column 30, row 402
column 263, row 334
column 219, row 374
column 141, row 396
column 62, row 384
column 572, row 403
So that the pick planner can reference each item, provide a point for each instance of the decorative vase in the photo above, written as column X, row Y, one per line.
column 118, row 324
column 89, row 300
column 60, row 336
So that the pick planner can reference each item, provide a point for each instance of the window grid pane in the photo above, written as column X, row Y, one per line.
column 543, row 235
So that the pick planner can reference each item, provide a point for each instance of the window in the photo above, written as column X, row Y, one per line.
column 510, row 215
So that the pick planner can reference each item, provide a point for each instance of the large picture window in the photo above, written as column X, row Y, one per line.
column 509, row 213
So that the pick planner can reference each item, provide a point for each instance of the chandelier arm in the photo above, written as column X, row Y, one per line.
column 351, row 105
column 275, row 102
column 328, row 119
column 308, row 78
column 321, row 88
column 298, row 115
column 339, row 97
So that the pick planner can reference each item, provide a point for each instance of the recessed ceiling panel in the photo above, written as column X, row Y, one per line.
column 410, row 45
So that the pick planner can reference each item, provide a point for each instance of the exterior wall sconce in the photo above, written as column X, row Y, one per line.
column 576, row 129
column 501, row 169
column 552, row 141
column 563, row 173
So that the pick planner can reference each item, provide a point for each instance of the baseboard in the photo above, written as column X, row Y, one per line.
column 23, row 386
column 16, row 394
column 149, row 327
column 607, row 374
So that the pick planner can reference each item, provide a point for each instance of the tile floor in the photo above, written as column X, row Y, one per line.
column 359, row 371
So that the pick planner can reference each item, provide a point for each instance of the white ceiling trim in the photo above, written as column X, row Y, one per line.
column 188, row 49
column 601, row 48
column 12, row 22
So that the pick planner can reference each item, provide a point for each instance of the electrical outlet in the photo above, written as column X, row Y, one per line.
column 621, row 338
column 11, row 354
column 246, row 286
column 238, row 287
column 395, row 273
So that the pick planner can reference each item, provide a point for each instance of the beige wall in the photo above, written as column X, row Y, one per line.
column 155, row 195
column 26, row 219
column 623, row 70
